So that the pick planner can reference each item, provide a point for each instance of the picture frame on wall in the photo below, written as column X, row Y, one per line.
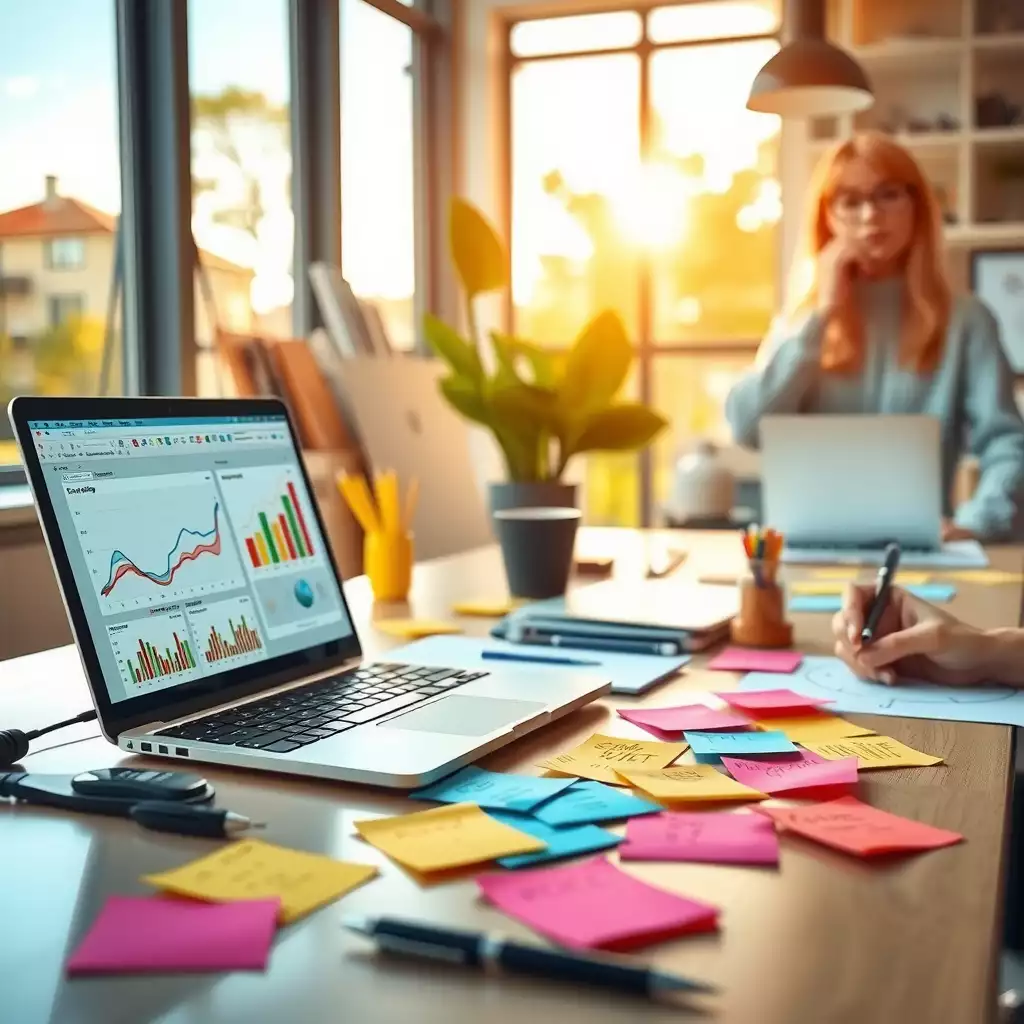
column 997, row 278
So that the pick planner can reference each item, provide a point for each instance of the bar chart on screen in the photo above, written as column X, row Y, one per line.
column 153, row 652
column 228, row 632
column 149, row 542
column 276, row 525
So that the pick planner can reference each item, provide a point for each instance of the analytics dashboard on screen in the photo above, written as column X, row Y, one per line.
column 193, row 543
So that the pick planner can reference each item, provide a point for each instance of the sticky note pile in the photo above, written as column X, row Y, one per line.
column 595, row 905
column 717, row 838
column 691, row 783
column 602, row 757
column 494, row 790
column 807, row 776
column 670, row 723
column 749, row 659
column 708, row 747
column 874, row 752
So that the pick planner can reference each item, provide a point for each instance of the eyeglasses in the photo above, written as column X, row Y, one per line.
column 846, row 204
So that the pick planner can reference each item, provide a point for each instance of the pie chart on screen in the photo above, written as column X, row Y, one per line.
column 304, row 593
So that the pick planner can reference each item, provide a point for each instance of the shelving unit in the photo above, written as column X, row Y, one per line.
column 948, row 77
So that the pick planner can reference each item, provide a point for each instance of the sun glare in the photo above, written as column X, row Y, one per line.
column 652, row 210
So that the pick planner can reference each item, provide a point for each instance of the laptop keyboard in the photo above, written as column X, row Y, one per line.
column 287, row 721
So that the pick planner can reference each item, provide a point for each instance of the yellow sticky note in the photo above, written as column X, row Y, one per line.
column 874, row 752
column 254, row 870
column 814, row 728
column 687, row 782
column 446, row 837
column 415, row 629
column 986, row 577
column 604, row 758
column 486, row 608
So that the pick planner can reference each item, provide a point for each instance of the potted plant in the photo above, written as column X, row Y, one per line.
column 544, row 407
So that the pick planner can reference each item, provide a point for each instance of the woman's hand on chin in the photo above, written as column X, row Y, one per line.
column 950, row 531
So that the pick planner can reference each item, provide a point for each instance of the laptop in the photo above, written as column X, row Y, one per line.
column 396, row 411
column 840, row 488
column 208, row 610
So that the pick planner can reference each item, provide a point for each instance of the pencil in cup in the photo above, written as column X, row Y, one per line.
column 356, row 493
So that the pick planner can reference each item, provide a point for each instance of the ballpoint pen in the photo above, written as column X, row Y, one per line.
column 484, row 951
column 883, row 586
column 538, row 659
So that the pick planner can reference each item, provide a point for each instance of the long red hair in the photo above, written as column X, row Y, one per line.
column 928, row 296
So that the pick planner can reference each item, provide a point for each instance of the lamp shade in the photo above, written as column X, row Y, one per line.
column 810, row 78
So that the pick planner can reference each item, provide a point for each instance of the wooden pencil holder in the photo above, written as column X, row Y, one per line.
column 761, row 621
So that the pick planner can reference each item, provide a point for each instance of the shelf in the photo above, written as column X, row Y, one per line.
column 982, row 234
column 1013, row 133
column 925, row 50
column 997, row 41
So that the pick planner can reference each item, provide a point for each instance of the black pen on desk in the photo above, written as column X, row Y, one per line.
column 661, row 648
column 485, row 951
column 884, row 583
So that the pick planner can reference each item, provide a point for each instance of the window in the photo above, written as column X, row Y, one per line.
column 641, row 183
column 378, row 180
column 65, row 254
column 59, row 201
column 62, row 309
column 241, row 173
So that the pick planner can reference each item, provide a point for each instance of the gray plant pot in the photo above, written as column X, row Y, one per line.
column 532, row 494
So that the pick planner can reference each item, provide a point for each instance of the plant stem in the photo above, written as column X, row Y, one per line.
column 474, row 334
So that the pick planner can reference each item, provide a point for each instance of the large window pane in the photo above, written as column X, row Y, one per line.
column 713, row 177
column 578, row 210
column 713, row 19
column 378, row 241
column 60, row 196
column 241, row 172
column 576, row 34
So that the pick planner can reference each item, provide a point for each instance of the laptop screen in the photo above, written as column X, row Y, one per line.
column 193, row 545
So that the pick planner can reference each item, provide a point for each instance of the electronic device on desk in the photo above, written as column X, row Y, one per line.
column 208, row 610
column 656, row 617
column 842, row 487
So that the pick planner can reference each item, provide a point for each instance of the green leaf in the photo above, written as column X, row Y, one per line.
column 546, row 364
column 625, row 427
column 598, row 364
column 531, row 407
column 477, row 252
column 458, row 353
column 505, row 352
column 464, row 397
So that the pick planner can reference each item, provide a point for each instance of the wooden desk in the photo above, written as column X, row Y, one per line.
column 824, row 940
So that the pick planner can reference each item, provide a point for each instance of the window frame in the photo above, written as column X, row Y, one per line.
column 50, row 249
column 55, row 301
column 647, row 350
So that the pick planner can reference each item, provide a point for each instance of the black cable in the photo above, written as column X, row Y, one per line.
column 14, row 742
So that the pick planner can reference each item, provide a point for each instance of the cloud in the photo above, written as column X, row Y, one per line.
column 21, row 87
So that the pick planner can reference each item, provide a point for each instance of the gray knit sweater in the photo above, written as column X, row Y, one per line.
column 970, row 393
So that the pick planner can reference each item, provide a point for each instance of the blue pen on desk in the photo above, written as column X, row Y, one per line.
column 539, row 659
column 484, row 951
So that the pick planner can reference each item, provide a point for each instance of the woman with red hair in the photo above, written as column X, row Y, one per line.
column 872, row 326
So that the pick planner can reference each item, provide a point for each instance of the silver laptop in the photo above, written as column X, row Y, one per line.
column 853, row 482
column 209, row 613
column 402, row 422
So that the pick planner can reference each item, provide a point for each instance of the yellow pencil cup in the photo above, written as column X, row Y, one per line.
column 387, row 560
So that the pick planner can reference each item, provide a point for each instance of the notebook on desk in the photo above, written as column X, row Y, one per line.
column 661, row 616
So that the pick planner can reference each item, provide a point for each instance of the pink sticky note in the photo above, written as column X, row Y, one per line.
column 686, row 717
column 809, row 774
column 750, row 659
column 770, row 702
column 713, row 838
column 595, row 905
column 135, row 934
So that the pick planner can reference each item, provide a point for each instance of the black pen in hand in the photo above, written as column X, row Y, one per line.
column 883, row 586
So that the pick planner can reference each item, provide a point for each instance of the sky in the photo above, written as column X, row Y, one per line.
column 58, row 115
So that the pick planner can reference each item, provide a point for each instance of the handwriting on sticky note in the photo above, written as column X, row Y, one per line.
column 875, row 752
column 558, row 842
column 814, row 728
column 714, row 744
column 791, row 776
column 255, row 870
column 588, row 802
column 690, row 782
column 600, row 757
column 595, row 905
column 445, row 837
column 854, row 827
column 495, row 790
column 723, row 838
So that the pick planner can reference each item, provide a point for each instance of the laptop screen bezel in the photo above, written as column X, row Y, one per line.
column 184, row 699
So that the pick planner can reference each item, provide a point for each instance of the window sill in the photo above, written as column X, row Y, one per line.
column 16, row 508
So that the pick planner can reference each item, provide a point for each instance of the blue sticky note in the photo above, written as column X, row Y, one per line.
column 815, row 602
column 562, row 842
column 708, row 747
column 590, row 802
column 937, row 593
column 494, row 789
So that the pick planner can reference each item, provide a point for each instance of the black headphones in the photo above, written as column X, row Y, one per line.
column 14, row 743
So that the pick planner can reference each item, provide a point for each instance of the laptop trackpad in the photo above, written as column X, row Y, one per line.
column 465, row 716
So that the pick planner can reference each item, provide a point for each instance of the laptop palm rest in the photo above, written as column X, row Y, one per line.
column 467, row 715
